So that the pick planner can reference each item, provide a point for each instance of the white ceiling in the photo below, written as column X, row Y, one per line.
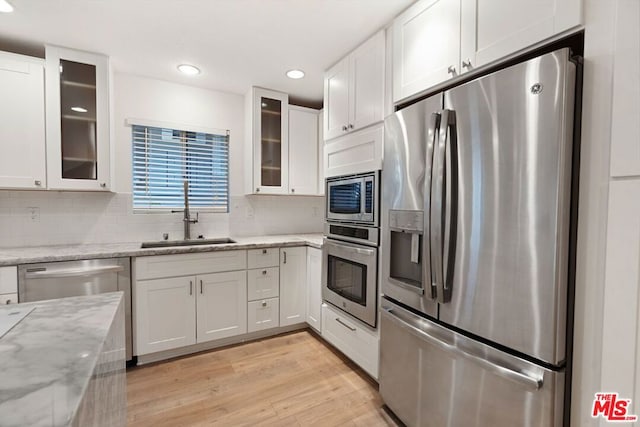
column 236, row 43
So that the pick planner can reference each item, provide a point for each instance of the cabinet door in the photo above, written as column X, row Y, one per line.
column 270, row 142
column 303, row 151
column 22, row 135
column 492, row 29
column 293, row 285
column 366, row 83
column 165, row 314
column 314, row 288
column 221, row 305
column 426, row 46
column 78, row 126
column 358, row 152
column 321, row 154
column 336, row 99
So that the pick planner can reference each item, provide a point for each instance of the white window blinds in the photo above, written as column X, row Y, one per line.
column 164, row 158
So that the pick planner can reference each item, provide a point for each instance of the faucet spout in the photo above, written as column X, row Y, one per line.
column 187, row 216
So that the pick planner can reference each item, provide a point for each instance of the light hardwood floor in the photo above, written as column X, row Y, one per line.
column 289, row 380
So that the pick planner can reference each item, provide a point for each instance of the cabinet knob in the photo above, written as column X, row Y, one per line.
column 293, row 190
column 344, row 128
column 7, row 302
column 264, row 252
column 451, row 70
column 257, row 190
column 264, row 272
column 350, row 126
column 38, row 182
column 467, row 64
column 103, row 184
column 264, row 303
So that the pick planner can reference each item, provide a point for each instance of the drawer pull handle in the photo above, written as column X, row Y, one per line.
column 352, row 329
column 264, row 272
column 200, row 286
column 190, row 287
column 264, row 252
column 264, row 303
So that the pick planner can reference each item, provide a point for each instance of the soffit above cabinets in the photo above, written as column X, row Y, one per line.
column 236, row 44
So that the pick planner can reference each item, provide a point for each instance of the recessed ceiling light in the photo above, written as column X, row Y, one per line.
column 5, row 6
column 79, row 109
column 189, row 70
column 295, row 74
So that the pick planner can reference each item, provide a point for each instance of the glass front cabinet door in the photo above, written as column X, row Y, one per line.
column 270, row 142
column 78, row 127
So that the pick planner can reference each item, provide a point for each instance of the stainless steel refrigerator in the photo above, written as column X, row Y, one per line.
column 476, row 200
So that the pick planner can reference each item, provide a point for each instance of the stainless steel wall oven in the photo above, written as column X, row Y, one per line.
column 350, row 250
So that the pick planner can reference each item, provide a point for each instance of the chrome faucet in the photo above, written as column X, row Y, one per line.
column 187, row 217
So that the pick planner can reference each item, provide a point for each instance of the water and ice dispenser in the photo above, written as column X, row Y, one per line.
column 406, row 244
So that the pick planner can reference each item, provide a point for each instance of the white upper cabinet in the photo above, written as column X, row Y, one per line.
column 268, row 148
column 78, row 120
column 435, row 40
column 354, row 89
column 22, row 122
column 492, row 29
column 303, row 151
column 426, row 46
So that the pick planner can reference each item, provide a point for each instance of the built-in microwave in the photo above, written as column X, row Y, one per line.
column 353, row 198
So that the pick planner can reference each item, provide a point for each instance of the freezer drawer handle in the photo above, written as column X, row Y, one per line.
column 352, row 329
column 72, row 272
column 518, row 377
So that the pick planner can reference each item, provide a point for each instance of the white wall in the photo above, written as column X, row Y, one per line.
column 74, row 217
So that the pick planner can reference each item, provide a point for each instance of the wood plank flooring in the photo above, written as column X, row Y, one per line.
column 294, row 379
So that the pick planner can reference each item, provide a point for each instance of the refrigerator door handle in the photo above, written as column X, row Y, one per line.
column 435, row 215
column 450, row 158
column 531, row 382
column 427, row 271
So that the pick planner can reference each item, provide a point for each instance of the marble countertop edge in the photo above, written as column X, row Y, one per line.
column 37, row 254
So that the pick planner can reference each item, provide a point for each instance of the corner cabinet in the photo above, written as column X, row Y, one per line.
column 268, row 147
column 303, row 151
column 354, row 89
column 22, row 122
column 77, row 120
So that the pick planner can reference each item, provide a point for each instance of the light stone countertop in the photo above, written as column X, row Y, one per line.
column 36, row 254
column 48, row 359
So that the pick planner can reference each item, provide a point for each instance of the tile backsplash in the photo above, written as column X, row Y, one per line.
column 30, row 218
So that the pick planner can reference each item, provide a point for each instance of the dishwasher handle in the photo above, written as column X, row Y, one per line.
column 39, row 273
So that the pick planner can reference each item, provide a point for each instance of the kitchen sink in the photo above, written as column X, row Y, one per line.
column 193, row 242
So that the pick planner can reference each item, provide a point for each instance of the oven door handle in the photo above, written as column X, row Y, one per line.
column 351, row 248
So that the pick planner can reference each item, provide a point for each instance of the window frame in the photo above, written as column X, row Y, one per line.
column 131, row 122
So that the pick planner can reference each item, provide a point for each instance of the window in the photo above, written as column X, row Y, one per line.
column 164, row 158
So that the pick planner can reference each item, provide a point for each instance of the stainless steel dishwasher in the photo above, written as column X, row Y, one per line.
column 37, row 282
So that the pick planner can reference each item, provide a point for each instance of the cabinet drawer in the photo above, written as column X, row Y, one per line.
column 158, row 266
column 263, row 283
column 355, row 340
column 263, row 314
column 8, row 299
column 357, row 152
column 261, row 258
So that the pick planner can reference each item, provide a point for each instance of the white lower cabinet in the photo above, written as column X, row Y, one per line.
column 293, row 285
column 263, row 314
column 165, row 314
column 263, row 283
column 357, row 341
column 221, row 309
column 314, row 288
